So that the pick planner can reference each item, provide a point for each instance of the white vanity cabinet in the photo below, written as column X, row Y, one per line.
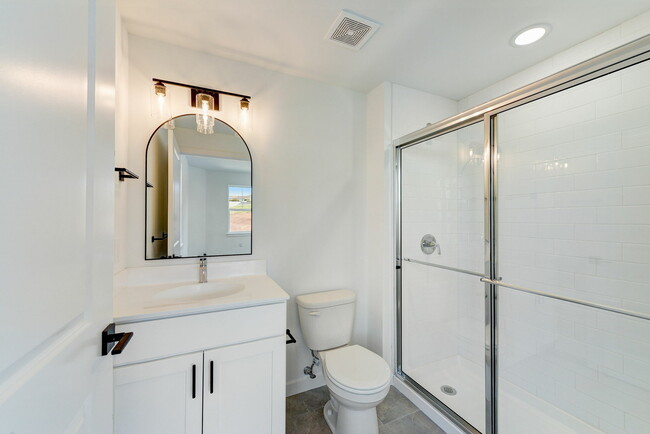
column 156, row 397
column 243, row 390
column 211, row 373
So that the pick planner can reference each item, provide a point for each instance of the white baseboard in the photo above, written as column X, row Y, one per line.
column 304, row 384
column 432, row 413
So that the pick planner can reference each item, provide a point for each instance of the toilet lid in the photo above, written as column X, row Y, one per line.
column 356, row 368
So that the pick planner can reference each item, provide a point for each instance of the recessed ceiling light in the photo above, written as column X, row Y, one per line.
column 530, row 34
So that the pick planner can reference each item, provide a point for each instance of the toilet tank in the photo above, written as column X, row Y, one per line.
column 326, row 318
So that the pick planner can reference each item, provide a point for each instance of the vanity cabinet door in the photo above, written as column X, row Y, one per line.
column 244, row 388
column 162, row 397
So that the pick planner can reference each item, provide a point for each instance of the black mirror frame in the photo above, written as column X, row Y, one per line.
column 146, row 177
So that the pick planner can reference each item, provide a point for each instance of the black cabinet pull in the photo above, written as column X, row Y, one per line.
column 211, row 376
column 193, row 381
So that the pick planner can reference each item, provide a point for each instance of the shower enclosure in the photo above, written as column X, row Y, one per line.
column 523, row 255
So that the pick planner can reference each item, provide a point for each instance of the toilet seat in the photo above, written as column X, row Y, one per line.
column 356, row 369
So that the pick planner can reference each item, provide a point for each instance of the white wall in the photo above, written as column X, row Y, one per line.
column 196, row 209
column 185, row 204
column 412, row 109
column 307, row 143
column 376, row 267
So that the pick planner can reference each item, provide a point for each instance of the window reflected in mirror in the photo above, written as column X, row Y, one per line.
column 240, row 205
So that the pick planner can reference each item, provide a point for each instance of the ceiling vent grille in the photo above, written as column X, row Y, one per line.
column 351, row 31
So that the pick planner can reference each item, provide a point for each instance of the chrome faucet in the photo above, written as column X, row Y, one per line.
column 203, row 270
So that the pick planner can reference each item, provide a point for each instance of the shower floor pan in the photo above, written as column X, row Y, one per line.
column 519, row 412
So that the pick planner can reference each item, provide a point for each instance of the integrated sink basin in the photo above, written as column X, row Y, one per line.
column 199, row 291
column 148, row 293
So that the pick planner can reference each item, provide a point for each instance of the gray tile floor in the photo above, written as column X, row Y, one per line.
column 397, row 415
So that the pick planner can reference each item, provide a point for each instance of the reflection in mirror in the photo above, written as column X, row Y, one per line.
column 199, row 192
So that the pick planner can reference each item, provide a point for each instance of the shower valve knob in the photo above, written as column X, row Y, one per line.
column 428, row 244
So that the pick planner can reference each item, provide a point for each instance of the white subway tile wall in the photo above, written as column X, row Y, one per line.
column 574, row 220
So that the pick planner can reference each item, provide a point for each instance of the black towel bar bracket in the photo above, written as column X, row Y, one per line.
column 126, row 173
column 291, row 339
column 163, row 237
column 109, row 337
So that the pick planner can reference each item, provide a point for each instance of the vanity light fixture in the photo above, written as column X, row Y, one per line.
column 530, row 35
column 204, row 99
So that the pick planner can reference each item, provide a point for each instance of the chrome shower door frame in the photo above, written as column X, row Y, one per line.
column 612, row 61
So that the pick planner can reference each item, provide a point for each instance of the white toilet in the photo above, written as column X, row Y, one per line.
column 357, row 378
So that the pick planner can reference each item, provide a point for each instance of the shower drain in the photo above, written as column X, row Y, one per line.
column 448, row 390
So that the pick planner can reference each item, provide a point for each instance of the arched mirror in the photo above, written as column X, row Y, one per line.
column 198, row 192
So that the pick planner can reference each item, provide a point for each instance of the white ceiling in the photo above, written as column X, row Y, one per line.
column 451, row 48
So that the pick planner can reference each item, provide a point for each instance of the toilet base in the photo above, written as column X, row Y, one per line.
column 346, row 420
column 331, row 415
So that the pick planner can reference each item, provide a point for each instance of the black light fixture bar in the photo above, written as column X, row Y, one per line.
column 207, row 90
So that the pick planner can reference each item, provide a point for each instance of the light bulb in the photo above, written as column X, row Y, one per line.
column 160, row 103
column 204, row 122
column 160, row 89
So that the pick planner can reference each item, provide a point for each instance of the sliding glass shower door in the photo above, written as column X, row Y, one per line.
column 574, row 222
column 442, row 225
column 523, row 255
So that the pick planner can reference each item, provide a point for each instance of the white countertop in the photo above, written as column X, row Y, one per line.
column 139, row 302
